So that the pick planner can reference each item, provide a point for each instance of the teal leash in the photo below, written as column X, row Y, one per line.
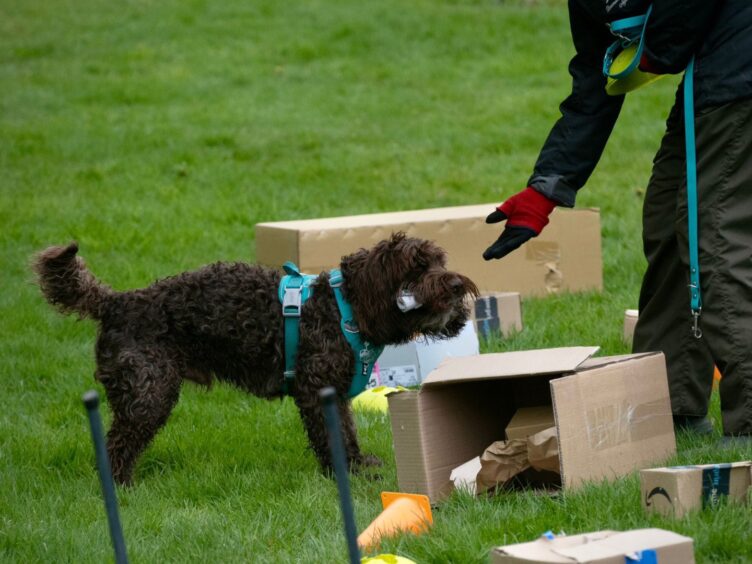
column 695, row 293
column 629, row 31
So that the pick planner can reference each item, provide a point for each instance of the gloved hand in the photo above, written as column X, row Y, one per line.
column 526, row 214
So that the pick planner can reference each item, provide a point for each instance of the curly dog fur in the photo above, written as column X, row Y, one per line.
column 224, row 321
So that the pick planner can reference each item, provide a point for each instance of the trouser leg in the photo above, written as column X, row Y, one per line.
column 724, row 153
column 665, row 318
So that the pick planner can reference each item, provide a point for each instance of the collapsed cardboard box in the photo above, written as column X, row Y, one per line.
column 498, row 312
column 612, row 414
column 565, row 256
column 677, row 490
column 603, row 547
column 407, row 365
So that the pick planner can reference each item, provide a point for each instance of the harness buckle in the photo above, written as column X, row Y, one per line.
column 292, row 302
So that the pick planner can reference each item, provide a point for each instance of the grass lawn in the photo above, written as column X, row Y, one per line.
column 158, row 133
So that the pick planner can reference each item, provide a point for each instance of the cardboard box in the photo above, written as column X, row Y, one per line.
column 565, row 256
column 527, row 421
column 630, row 321
column 604, row 547
column 408, row 364
column 612, row 414
column 678, row 490
column 499, row 312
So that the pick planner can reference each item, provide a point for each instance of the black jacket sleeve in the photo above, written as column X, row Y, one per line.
column 676, row 29
column 577, row 140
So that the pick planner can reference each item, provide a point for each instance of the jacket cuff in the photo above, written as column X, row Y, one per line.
column 555, row 188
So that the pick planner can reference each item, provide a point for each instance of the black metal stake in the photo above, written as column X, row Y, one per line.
column 91, row 401
column 328, row 398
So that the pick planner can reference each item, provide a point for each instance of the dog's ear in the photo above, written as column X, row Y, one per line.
column 397, row 237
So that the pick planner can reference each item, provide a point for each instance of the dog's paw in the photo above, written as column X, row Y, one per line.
column 369, row 460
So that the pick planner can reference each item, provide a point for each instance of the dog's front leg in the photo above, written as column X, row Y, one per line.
column 354, row 456
column 308, row 403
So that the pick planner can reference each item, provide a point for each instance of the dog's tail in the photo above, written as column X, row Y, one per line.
column 68, row 284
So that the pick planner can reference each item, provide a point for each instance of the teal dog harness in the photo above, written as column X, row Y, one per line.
column 294, row 290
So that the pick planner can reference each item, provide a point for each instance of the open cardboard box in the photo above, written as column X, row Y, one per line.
column 612, row 414
column 566, row 256
column 602, row 547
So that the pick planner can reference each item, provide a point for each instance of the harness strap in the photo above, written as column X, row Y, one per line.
column 695, row 294
column 365, row 353
column 294, row 290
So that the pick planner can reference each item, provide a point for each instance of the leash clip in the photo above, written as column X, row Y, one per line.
column 696, row 331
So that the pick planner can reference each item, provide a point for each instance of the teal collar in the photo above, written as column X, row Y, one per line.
column 294, row 290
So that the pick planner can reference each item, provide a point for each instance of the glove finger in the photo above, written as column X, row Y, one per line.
column 496, row 216
column 509, row 240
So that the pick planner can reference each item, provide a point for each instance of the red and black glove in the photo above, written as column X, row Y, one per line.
column 526, row 214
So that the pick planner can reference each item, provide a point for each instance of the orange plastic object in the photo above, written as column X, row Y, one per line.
column 402, row 512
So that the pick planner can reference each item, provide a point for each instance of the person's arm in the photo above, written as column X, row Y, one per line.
column 573, row 146
column 675, row 30
column 577, row 140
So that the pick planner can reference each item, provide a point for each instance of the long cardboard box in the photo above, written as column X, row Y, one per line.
column 566, row 255
column 677, row 490
column 612, row 414
column 603, row 547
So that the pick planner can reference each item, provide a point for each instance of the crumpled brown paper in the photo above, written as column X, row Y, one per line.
column 543, row 450
column 503, row 460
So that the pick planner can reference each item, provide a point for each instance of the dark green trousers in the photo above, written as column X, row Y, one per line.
column 724, row 178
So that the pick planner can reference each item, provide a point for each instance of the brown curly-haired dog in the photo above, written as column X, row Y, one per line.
column 225, row 321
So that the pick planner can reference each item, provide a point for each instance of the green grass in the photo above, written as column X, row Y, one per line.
column 158, row 133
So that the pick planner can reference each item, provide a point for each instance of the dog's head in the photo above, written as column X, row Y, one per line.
column 401, row 288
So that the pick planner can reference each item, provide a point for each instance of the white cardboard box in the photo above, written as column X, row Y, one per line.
column 612, row 414
column 408, row 364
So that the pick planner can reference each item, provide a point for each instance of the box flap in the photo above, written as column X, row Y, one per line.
column 695, row 467
column 386, row 218
column 606, row 360
column 544, row 549
column 613, row 419
column 510, row 364
column 628, row 543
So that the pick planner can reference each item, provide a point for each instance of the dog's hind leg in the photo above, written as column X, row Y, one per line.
column 141, row 391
